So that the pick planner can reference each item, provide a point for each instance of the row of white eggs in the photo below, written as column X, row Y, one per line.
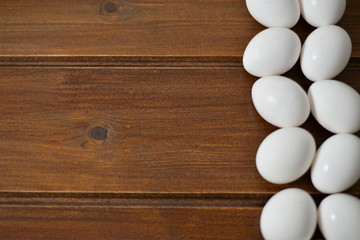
column 286, row 154
column 274, row 51
column 286, row 13
column 292, row 214
column 283, row 103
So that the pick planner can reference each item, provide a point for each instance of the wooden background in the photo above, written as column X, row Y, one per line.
column 173, row 154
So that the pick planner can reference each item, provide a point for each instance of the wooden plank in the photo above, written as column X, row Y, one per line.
column 166, row 130
column 132, row 216
column 138, row 27
column 18, row 222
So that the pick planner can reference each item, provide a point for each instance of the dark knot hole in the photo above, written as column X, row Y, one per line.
column 99, row 133
column 110, row 7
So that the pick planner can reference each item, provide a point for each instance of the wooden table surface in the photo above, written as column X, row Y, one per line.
column 133, row 119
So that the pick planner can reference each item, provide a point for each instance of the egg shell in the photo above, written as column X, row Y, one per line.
column 285, row 155
column 335, row 105
column 336, row 165
column 320, row 13
column 325, row 53
column 289, row 214
column 339, row 217
column 280, row 101
column 275, row 13
column 273, row 51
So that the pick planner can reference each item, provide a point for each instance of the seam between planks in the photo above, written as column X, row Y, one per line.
column 139, row 200
column 132, row 62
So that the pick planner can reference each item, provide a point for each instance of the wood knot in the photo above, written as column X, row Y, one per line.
column 113, row 10
column 110, row 7
column 99, row 133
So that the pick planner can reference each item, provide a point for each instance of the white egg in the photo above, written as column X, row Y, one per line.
column 289, row 214
column 339, row 217
column 336, row 165
column 273, row 51
column 325, row 53
column 335, row 105
column 280, row 101
column 285, row 155
column 275, row 13
column 322, row 12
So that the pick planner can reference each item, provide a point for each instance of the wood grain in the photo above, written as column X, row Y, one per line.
column 128, row 223
column 169, row 130
column 132, row 216
column 138, row 27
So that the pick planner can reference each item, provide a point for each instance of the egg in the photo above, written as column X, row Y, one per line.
column 339, row 217
column 273, row 51
column 280, row 101
column 322, row 12
column 336, row 165
column 285, row 155
column 335, row 105
column 289, row 214
column 275, row 13
column 325, row 53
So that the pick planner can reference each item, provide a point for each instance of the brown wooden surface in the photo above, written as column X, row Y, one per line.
column 17, row 222
column 170, row 130
column 165, row 79
column 137, row 27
